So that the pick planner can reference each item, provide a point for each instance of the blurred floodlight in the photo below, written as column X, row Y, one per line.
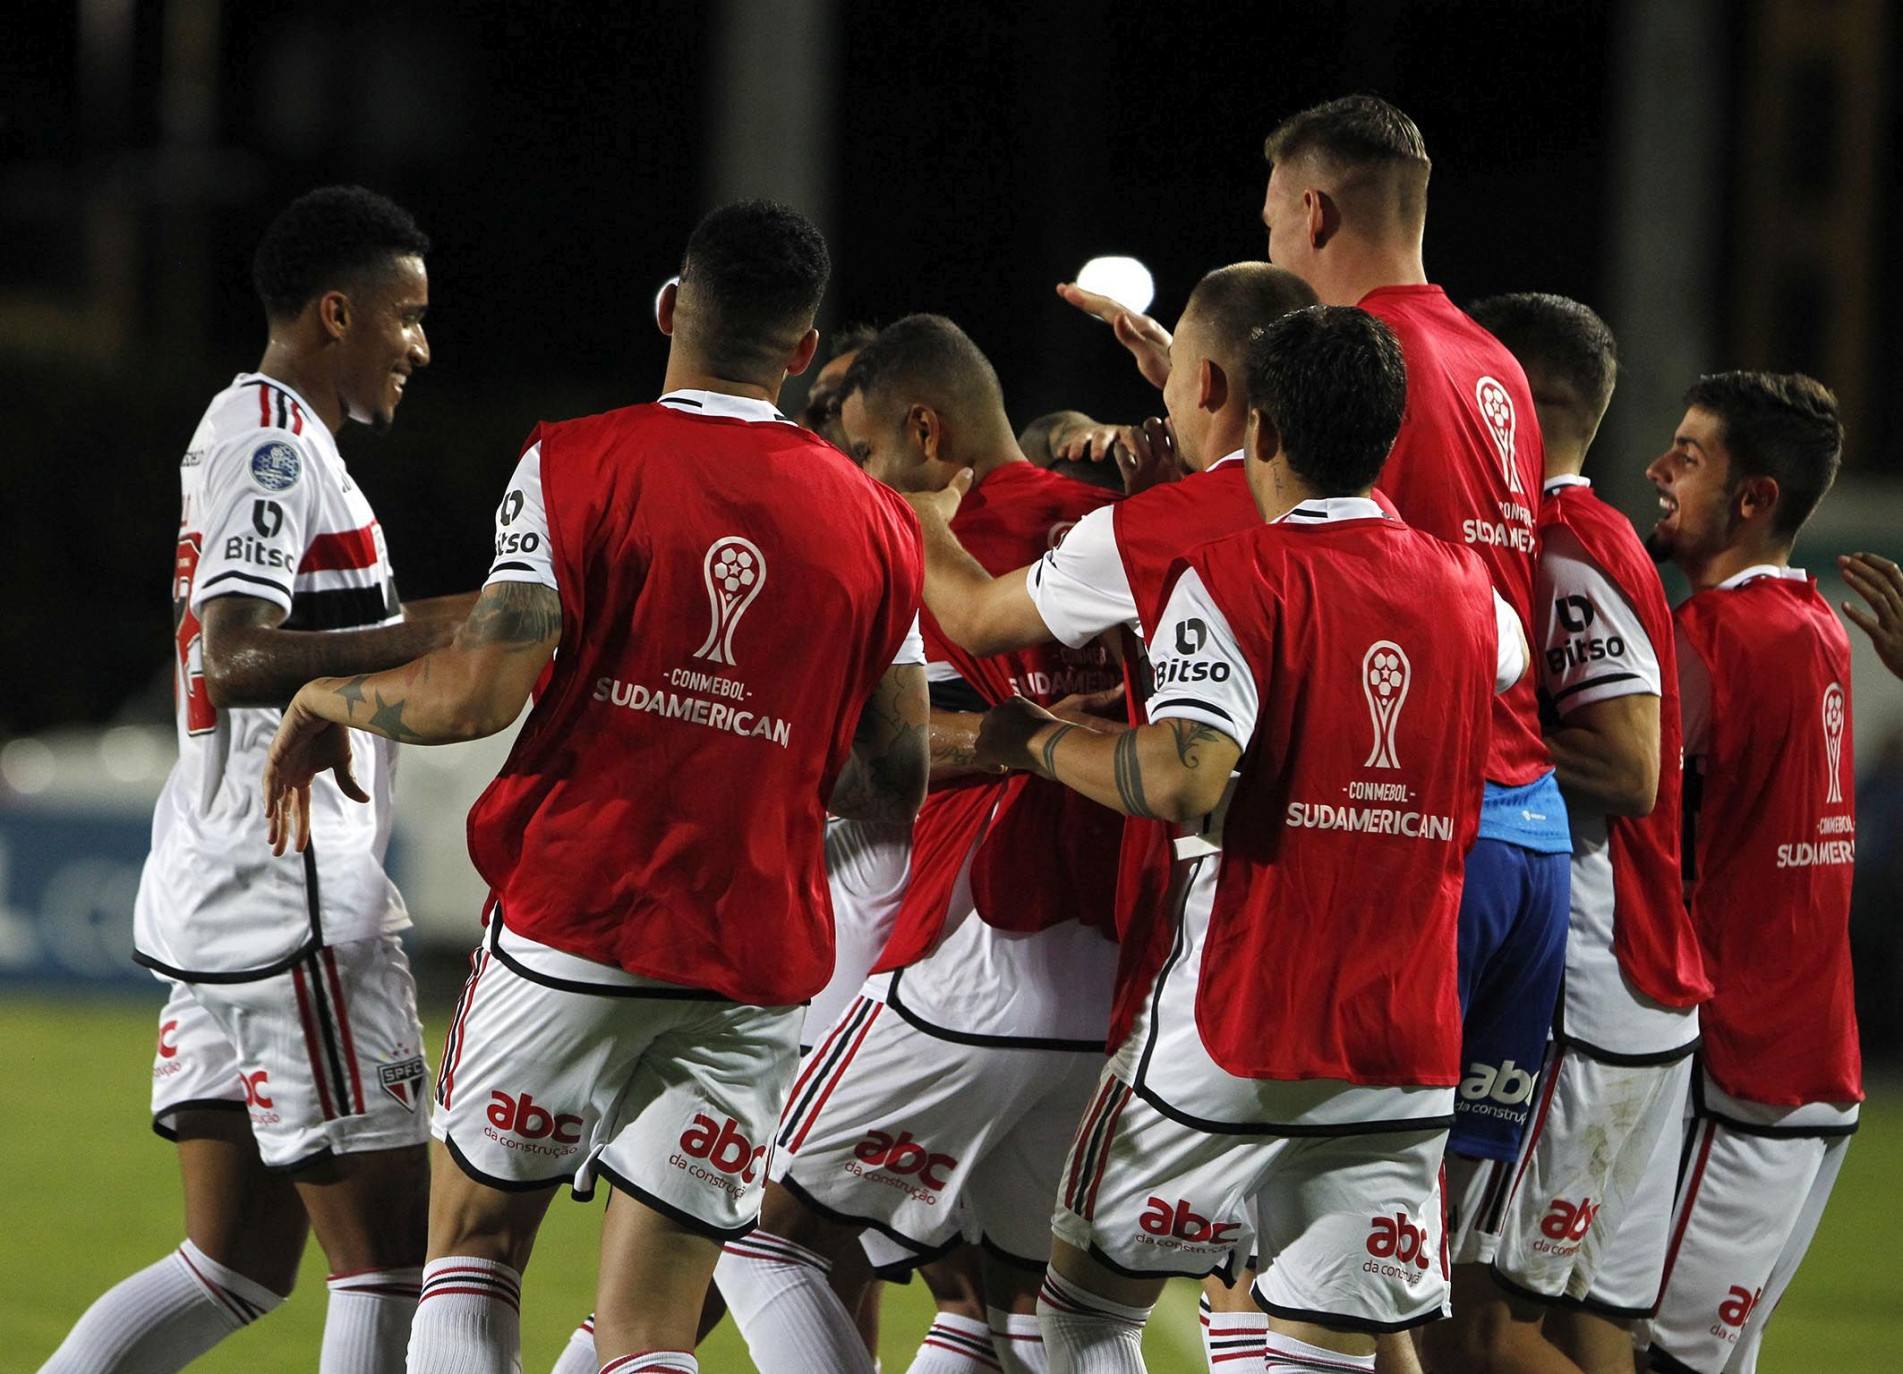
column 671, row 281
column 1125, row 280
column 27, row 765
column 129, row 755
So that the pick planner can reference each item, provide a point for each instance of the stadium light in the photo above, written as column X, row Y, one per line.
column 1125, row 280
column 671, row 281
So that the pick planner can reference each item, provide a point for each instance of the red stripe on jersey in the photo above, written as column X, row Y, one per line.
column 341, row 551
column 264, row 404
column 297, row 418
column 343, row 1025
column 310, row 1042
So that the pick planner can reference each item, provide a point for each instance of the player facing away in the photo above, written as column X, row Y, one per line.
column 290, row 1065
column 1576, row 1229
column 1769, row 842
column 1107, row 577
column 733, row 602
column 940, row 1103
column 1295, row 1057
column 1345, row 209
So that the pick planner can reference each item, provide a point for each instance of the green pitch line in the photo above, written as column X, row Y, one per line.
column 95, row 1196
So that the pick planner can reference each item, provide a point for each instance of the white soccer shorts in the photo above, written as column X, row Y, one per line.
column 326, row 1058
column 1588, row 1215
column 1747, row 1209
column 672, row 1099
column 1348, row 1230
column 922, row 1138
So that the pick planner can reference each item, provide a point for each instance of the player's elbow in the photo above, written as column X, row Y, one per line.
column 1185, row 797
column 1635, row 791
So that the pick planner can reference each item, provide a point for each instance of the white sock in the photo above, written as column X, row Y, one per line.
column 654, row 1362
column 792, row 1320
column 1286, row 1355
column 1019, row 1341
column 1088, row 1334
column 954, row 1345
column 1232, row 1340
column 367, row 1326
column 578, row 1356
column 162, row 1318
column 468, row 1320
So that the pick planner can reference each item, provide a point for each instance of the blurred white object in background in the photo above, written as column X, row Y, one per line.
column 1125, row 280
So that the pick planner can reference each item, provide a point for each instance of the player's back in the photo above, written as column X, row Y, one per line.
column 1332, row 937
column 732, row 589
column 1466, row 467
column 1771, row 839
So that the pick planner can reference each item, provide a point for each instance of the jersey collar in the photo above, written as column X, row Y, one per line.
column 1757, row 570
column 1329, row 509
column 1565, row 479
column 1235, row 457
column 285, row 387
column 722, row 406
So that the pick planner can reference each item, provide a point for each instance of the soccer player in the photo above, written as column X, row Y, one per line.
column 821, row 411
column 1296, row 1053
column 1880, row 583
column 943, row 1098
column 1345, row 209
column 1580, row 1221
column 1770, row 838
column 290, row 1065
column 732, row 600
column 1107, row 576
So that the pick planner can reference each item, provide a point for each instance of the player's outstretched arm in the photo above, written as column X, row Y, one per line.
column 1606, row 753
column 1148, row 341
column 454, row 609
column 472, row 687
column 251, row 661
column 980, row 613
column 891, row 760
column 1174, row 770
column 1880, row 582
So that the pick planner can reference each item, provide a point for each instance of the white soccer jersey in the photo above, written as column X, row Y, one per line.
column 269, row 512
column 1081, row 588
column 1592, row 648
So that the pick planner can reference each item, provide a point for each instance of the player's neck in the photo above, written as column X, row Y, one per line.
column 994, row 457
column 298, row 370
column 1278, row 489
column 1366, row 266
column 1224, row 438
column 687, row 374
column 1564, row 460
column 1734, row 559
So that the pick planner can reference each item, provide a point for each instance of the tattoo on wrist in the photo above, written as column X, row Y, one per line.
column 1047, row 756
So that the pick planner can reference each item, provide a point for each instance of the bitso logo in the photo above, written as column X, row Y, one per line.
column 1385, row 675
column 735, row 570
column 1834, row 739
column 1496, row 411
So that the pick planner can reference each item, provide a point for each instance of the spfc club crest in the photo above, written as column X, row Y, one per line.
column 404, row 1080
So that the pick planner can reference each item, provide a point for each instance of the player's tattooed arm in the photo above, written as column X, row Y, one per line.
column 886, row 773
column 454, row 609
column 1175, row 770
column 251, row 660
column 955, row 745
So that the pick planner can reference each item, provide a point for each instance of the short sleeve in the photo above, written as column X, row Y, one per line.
column 1080, row 587
column 911, row 648
column 522, row 551
column 259, row 499
column 1694, row 698
column 1199, row 669
column 1592, row 644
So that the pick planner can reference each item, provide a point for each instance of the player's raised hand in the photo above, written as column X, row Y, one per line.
column 306, row 745
column 1149, row 456
column 1148, row 341
column 1093, row 443
column 940, row 506
column 1880, row 582
column 1005, row 733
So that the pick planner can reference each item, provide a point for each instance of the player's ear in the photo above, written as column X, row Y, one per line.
column 664, row 306
column 803, row 355
column 927, row 431
column 1757, row 497
column 1322, row 216
column 1212, row 386
column 1261, row 440
column 333, row 313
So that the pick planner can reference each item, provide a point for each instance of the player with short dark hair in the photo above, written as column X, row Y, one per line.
column 736, row 657
column 1291, row 1069
column 821, row 412
column 1581, row 1219
column 1346, row 210
column 1769, row 844
column 290, row 1065
column 938, row 1105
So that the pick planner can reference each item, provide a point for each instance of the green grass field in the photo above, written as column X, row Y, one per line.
column 101, row 1199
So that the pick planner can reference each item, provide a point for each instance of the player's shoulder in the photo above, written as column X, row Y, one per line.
column 256, row 433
